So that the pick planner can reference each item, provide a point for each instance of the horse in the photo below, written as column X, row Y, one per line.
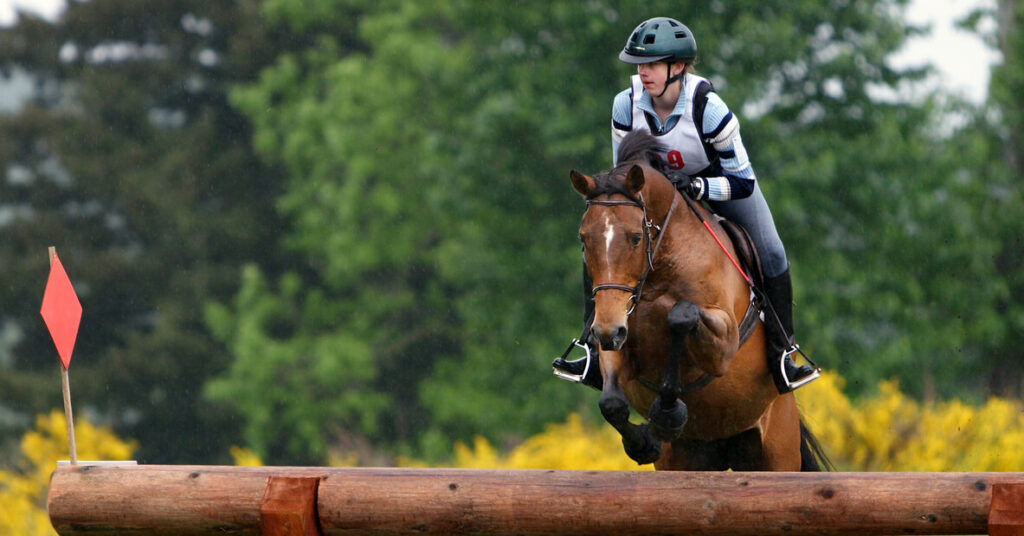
column 669, row 303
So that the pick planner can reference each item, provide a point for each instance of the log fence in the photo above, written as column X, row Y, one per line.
column 314, row 501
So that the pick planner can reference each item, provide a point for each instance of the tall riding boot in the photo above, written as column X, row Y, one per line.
column 577, row 368
column 779, row 334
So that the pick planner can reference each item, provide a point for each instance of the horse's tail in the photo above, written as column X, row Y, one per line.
column 812, row 456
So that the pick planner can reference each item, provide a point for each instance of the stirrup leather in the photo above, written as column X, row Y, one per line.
column 575, row 378
column 791, row 385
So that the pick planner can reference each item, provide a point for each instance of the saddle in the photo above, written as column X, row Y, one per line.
column 746, row 253
column 750, row 262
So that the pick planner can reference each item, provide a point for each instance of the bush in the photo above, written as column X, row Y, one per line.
column 23, row 491
column 892, row 432
column 886, row 432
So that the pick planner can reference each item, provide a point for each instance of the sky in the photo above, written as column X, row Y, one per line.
column 962, row 59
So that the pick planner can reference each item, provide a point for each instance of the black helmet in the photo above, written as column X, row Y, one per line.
column 659, row 39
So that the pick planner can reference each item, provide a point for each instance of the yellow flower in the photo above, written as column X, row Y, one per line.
column 23, row 492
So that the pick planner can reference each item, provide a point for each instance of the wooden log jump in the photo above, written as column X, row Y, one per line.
column 201, row 500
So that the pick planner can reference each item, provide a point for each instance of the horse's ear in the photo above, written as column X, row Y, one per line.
column 635, row 178
column 582, row 183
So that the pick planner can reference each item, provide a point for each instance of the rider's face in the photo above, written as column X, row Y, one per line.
column 653, row 75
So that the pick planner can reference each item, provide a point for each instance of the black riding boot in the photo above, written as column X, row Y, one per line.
column 579, row 366
column 787, row 375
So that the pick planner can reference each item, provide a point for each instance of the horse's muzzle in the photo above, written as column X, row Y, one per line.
column 613, row 338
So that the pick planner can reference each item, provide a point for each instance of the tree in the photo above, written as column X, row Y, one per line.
column 128, row 158
column 990, row 150
column 427, row 190
column 398, row 267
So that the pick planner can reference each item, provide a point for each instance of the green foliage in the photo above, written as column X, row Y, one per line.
column 991, row 149
column 398, row 265
column 288, row 388
column 422, row 185
column 127, row 157
column 425, row 190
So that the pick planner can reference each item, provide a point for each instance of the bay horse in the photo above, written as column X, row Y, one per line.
column 669, row 303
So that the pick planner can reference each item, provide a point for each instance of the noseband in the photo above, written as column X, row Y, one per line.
column 651, row 249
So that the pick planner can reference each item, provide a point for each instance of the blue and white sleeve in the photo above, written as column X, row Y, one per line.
column 622, row 121
column 723, row 129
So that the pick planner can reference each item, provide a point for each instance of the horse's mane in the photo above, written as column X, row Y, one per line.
column 637, row 147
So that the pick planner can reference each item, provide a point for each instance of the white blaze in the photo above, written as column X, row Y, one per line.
column 609, row 232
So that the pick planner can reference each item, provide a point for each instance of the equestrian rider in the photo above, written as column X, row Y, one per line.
column 707, row 162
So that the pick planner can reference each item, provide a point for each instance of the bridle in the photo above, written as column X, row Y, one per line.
column 650, row 247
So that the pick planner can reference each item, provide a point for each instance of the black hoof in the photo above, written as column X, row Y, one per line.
column 648, row 452
column 667, row 422
column 684, row 316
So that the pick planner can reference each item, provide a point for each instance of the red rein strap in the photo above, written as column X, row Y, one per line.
column 715, row 236
column 727, row 254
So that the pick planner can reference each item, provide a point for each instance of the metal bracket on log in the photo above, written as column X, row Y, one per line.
column 1006, row 513
column 289, row 507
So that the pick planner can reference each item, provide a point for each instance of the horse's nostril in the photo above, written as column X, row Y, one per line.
column 613, row 338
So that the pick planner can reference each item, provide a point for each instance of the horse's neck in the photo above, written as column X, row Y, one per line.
column 686, row 252
column 659, row 194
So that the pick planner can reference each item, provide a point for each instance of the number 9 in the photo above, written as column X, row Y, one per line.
column 675, row 160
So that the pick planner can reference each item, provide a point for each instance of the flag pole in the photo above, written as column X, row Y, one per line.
column 66, row 388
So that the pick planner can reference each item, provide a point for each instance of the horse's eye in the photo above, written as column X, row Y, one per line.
column 583, row 242
column 634, row 239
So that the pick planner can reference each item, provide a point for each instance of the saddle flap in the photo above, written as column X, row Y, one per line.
column 745, row 250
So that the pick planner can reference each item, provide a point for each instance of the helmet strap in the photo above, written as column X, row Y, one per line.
column 671, row 79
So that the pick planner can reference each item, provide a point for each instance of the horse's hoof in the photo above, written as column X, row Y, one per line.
column 683, row 317
column 667, row 423
column 647, row 453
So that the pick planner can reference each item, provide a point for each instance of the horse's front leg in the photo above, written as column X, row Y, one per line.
column 708, row 337
column 636, row 439
column 668, row 414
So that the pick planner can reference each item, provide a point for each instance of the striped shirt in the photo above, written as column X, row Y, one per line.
column 719, row 126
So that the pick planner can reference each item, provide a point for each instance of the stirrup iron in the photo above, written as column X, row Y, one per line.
column 791, row 385
column 575, row 378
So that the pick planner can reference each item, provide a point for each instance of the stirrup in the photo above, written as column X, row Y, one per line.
column 575, row 378
column 793, row 385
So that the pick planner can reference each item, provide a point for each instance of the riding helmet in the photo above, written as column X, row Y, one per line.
column 659, row 39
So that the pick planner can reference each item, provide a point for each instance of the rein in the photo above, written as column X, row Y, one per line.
column 651, row 250
column 704, row 222
column 756, row 295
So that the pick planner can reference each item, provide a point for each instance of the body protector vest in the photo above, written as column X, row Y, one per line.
column 685, row 149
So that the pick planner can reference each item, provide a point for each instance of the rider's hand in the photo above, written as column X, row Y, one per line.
column 694, row 188
column 687, row 185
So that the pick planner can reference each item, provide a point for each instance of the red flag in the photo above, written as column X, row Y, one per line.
column 61, row 311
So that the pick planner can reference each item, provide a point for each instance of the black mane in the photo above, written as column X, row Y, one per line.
column 637, row 147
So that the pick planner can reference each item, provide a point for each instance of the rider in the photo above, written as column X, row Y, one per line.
column 707, row 162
